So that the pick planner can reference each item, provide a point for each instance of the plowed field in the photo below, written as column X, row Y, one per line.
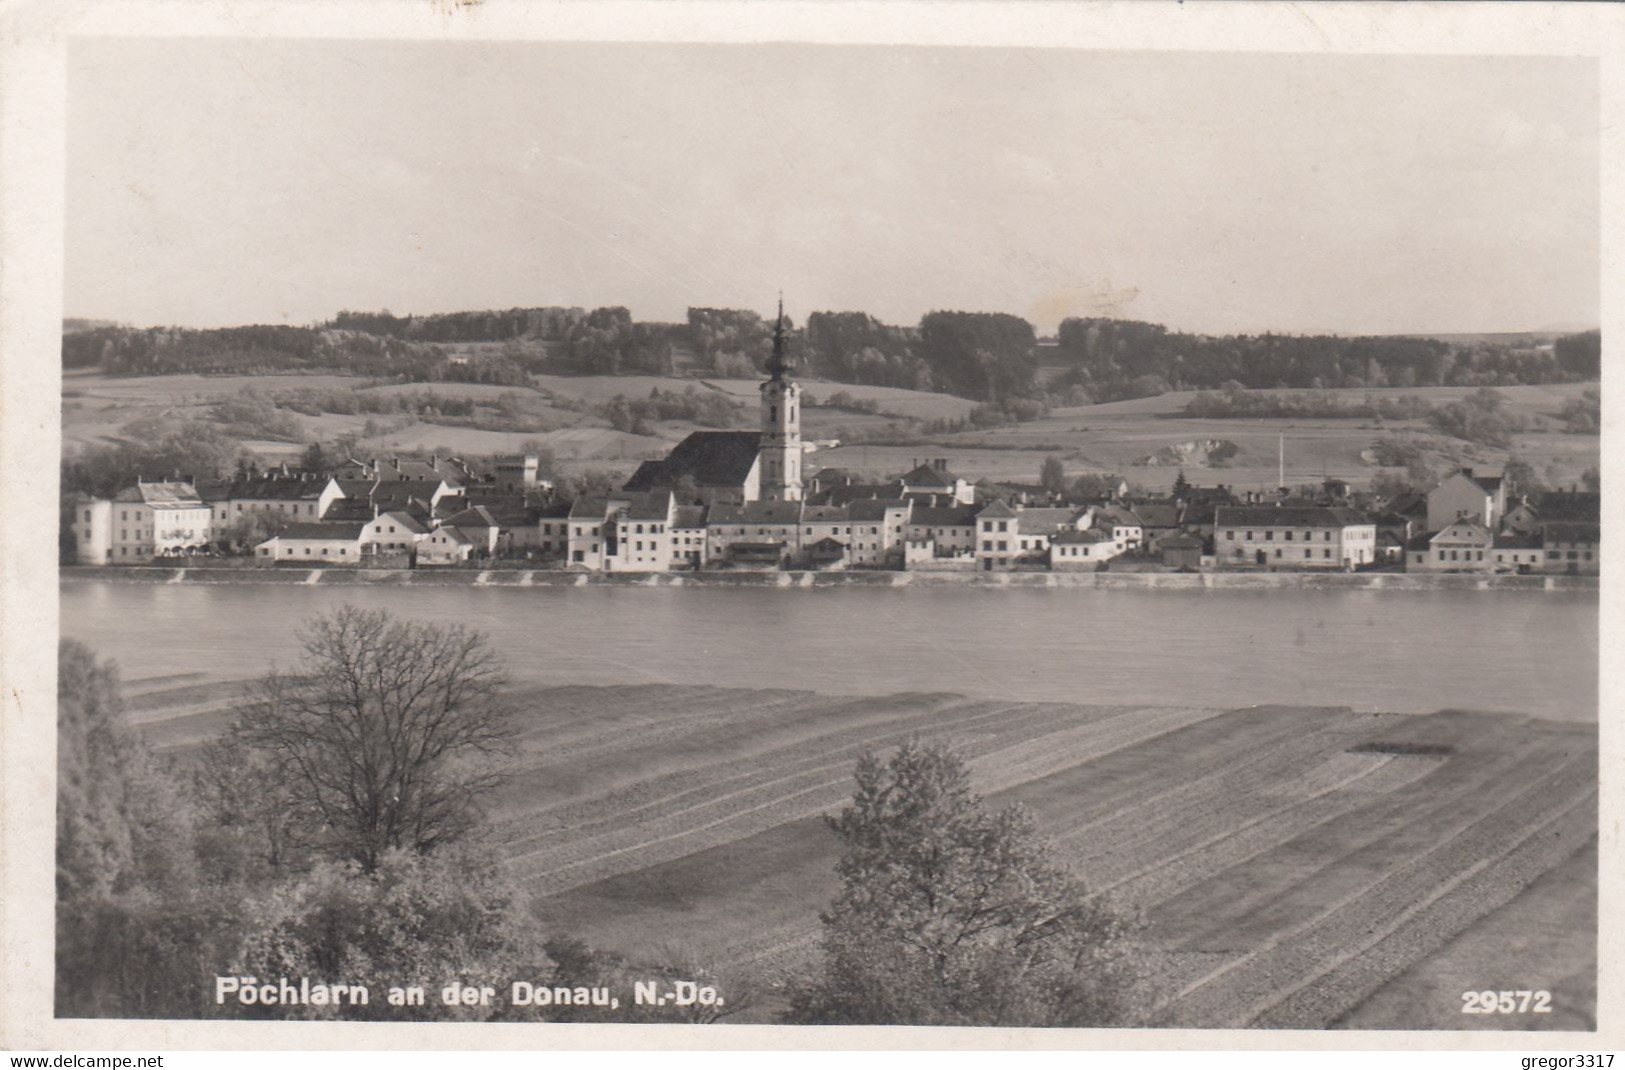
column 1297, row 867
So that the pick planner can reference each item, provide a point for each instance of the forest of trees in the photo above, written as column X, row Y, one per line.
column 1236, row 402
column 986, row 356
column 1121, row 359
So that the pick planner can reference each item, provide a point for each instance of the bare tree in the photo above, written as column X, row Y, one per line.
column 388, row 733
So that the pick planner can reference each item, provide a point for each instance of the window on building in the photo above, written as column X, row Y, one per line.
column 1004, row 525
column 1289, row 536
column 1308, row 554
column 1003, row 546
column 987, row 545
column 1231, row 535
column 1269, row 536
column 1277, row 553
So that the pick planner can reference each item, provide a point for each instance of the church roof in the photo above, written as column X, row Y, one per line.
column 710, row 458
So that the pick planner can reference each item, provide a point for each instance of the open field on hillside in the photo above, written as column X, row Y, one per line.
column 1115, row 437
column 1120, row 436
column 1297, row 867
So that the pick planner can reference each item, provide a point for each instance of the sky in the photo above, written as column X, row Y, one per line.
column 225, row 182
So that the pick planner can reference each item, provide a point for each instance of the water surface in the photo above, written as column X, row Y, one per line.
column 1412, row 651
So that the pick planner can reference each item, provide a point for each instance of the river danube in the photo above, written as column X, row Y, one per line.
column 1404, row 651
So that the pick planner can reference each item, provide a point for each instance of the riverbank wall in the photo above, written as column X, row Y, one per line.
column 1153, row 581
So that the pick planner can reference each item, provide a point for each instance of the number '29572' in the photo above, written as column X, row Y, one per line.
column 1522, row 1001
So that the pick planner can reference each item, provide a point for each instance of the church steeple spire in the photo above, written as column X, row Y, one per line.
column 781, row 424
column 776, row 364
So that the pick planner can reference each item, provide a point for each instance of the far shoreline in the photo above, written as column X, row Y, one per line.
column 523, row 578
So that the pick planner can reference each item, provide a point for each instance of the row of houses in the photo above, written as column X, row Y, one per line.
column 1469, row 523
column 438, row 512
column 351, row 520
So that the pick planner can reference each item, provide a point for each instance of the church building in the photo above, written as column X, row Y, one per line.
column 734, row 467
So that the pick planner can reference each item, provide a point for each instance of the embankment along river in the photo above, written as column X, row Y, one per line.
column 1532, row 652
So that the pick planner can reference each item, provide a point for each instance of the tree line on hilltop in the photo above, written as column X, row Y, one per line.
column 990, row 357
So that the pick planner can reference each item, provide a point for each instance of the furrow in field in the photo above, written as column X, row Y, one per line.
column 661, row 796
column 1244, row 903
column 761, row 805
column 1359, row 969
column 568, row 795
column 766, row 803
column 734, row 794
column 1175, row 874
column 1138, row 844
column 724, row 777
column 1290, row 954
column 1117, row 783
column 1239, row 782
column 1057, row 751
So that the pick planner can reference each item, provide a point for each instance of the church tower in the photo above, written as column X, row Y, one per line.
column 781, row 425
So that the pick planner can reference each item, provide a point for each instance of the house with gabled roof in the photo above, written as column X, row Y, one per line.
column 1518, row 553
column 1463, row 545
column 444, row 546
column 1158, row 521
column 643, row 533
column 304, row 498
column 1467, row 494
column 743, row 533
column 1573, row 547
column 393, row 533
column 996, row 530
column 315, row 543
column 948, row 530
column 688, row 540
column 139, row 523
column 481, row 528
column 589, row 527
column 1294, row 537
column 552, row 528
column 933, row 477
column 879, row 529
column 1081, row 551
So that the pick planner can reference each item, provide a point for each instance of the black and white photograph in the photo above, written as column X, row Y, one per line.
column 803, row 532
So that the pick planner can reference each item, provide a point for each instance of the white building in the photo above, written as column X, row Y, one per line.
column 146, row 521
column 311, row 543
column 1293, row 537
